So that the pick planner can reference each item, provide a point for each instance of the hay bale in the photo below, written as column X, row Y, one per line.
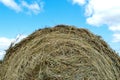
column 61, row 53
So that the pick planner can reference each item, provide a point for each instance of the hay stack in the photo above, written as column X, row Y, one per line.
column 61, row 53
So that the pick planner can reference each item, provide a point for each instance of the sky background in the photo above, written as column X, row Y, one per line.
column 19, row 18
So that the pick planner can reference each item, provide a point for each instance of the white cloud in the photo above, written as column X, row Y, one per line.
column 80, row 2
column 5, row 43
column 23, row 6
column 115, row 28
column 34, row 7
column 116, row 37
column 100, row 12
column 11, row 4
column 103, row 12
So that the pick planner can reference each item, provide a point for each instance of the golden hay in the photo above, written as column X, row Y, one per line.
column 61, row 53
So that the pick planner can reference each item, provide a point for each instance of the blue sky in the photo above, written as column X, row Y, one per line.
column 22, row 17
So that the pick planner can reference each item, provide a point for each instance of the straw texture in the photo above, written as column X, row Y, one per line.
column 61, row 53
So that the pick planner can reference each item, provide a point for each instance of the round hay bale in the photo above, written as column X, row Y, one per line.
column 61, row 53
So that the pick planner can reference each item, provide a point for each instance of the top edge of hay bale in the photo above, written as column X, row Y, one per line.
column 61, row 53
column 60, row 28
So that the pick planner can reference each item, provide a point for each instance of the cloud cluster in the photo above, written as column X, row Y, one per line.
column 11, row 4
column 79, row 2
column 5, row 43
column 24, row 6
column 103, row 12
column 116, row 37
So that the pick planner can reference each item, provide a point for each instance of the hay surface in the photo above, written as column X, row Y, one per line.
column 61, row 53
